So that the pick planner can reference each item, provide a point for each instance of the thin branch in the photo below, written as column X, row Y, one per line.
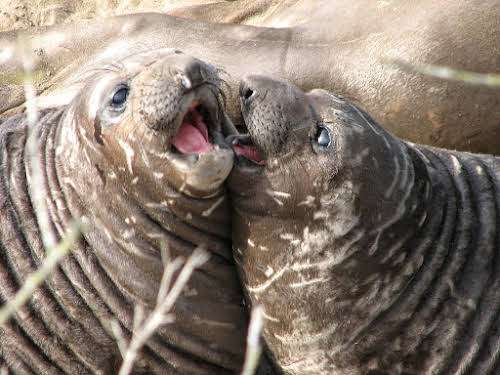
column 254, row 348
column 145, row 328
column 33, row 281
column 35, row 177
column 54, row 252
column 444, row 72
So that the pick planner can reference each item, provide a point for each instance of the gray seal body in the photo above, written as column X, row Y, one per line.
column 341, row 46
column 370, row 255
column 120, row 157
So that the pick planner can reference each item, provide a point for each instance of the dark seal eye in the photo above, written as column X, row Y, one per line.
column 119, row 96
column 114, row 106
column 323, row 137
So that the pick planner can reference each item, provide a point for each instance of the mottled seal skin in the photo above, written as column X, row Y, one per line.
column 108, row 160
column 370, row 255
column 343, row 46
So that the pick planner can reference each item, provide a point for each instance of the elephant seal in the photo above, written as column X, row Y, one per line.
column 139, row 155
column 340, row 48
column 370, row 255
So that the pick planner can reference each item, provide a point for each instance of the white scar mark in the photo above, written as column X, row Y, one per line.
column 60, row 204
column 406, row 168
column 129, row 153
column 457, row 166
column 108, row 234
column 289, row 237
column 145, row 157
column 308, row 201
column 87, row 156
column 250, row 242
column 162, row 205
column 389, row 253
column 135, row 180
column 281, row 194
column 269, row 271
column 128, row 234
column 190, row 292
column 278, row 194
column 395, row 179
column 337, row 99
column 268, row 317
column 400, row 209
column 161, row 155
column 265, row 285
column 130, row 219
column 358, row 160
column 209, row 211
column 371, row 126
column 334, row 259
column 309, row 282
column 213, row 323
column 308, row 338
column 479, row 170
column 422, row 219
column 69, row 182
column 427, row 190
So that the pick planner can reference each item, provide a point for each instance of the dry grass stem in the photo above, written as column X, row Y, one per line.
column 444, row 72
column 145, row 327
column 33, row 281
column 35, row 178
column 54, row 252
column 254, row 347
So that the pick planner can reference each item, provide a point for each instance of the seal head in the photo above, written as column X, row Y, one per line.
column 368, row 239
column 138, row 154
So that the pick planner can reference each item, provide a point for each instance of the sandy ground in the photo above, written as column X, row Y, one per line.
column 18, row 14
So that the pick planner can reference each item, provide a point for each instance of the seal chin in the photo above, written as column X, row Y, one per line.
column 198, row 153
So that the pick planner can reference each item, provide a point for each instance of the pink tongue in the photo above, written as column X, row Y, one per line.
column 192, row 137
column 250, row 152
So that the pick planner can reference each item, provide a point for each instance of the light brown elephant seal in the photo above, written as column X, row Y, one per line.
column 370, row 255
column 137, row 154
column 343, row 47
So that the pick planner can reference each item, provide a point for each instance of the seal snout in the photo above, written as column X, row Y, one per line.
column 272, row 109
column 190, row 72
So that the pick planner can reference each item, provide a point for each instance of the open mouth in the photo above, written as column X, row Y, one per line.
column 193, row 136
column 242, row 145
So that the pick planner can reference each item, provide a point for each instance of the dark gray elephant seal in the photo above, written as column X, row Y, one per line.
column 138, row 155
column 369, row 254
column 342, row 47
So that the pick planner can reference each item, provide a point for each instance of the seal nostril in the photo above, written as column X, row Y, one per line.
column 248, row 93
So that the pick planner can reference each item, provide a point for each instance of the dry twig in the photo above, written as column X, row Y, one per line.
column 144, row 328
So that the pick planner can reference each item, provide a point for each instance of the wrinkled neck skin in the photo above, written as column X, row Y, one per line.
column 334, row 248
column 121, row 185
